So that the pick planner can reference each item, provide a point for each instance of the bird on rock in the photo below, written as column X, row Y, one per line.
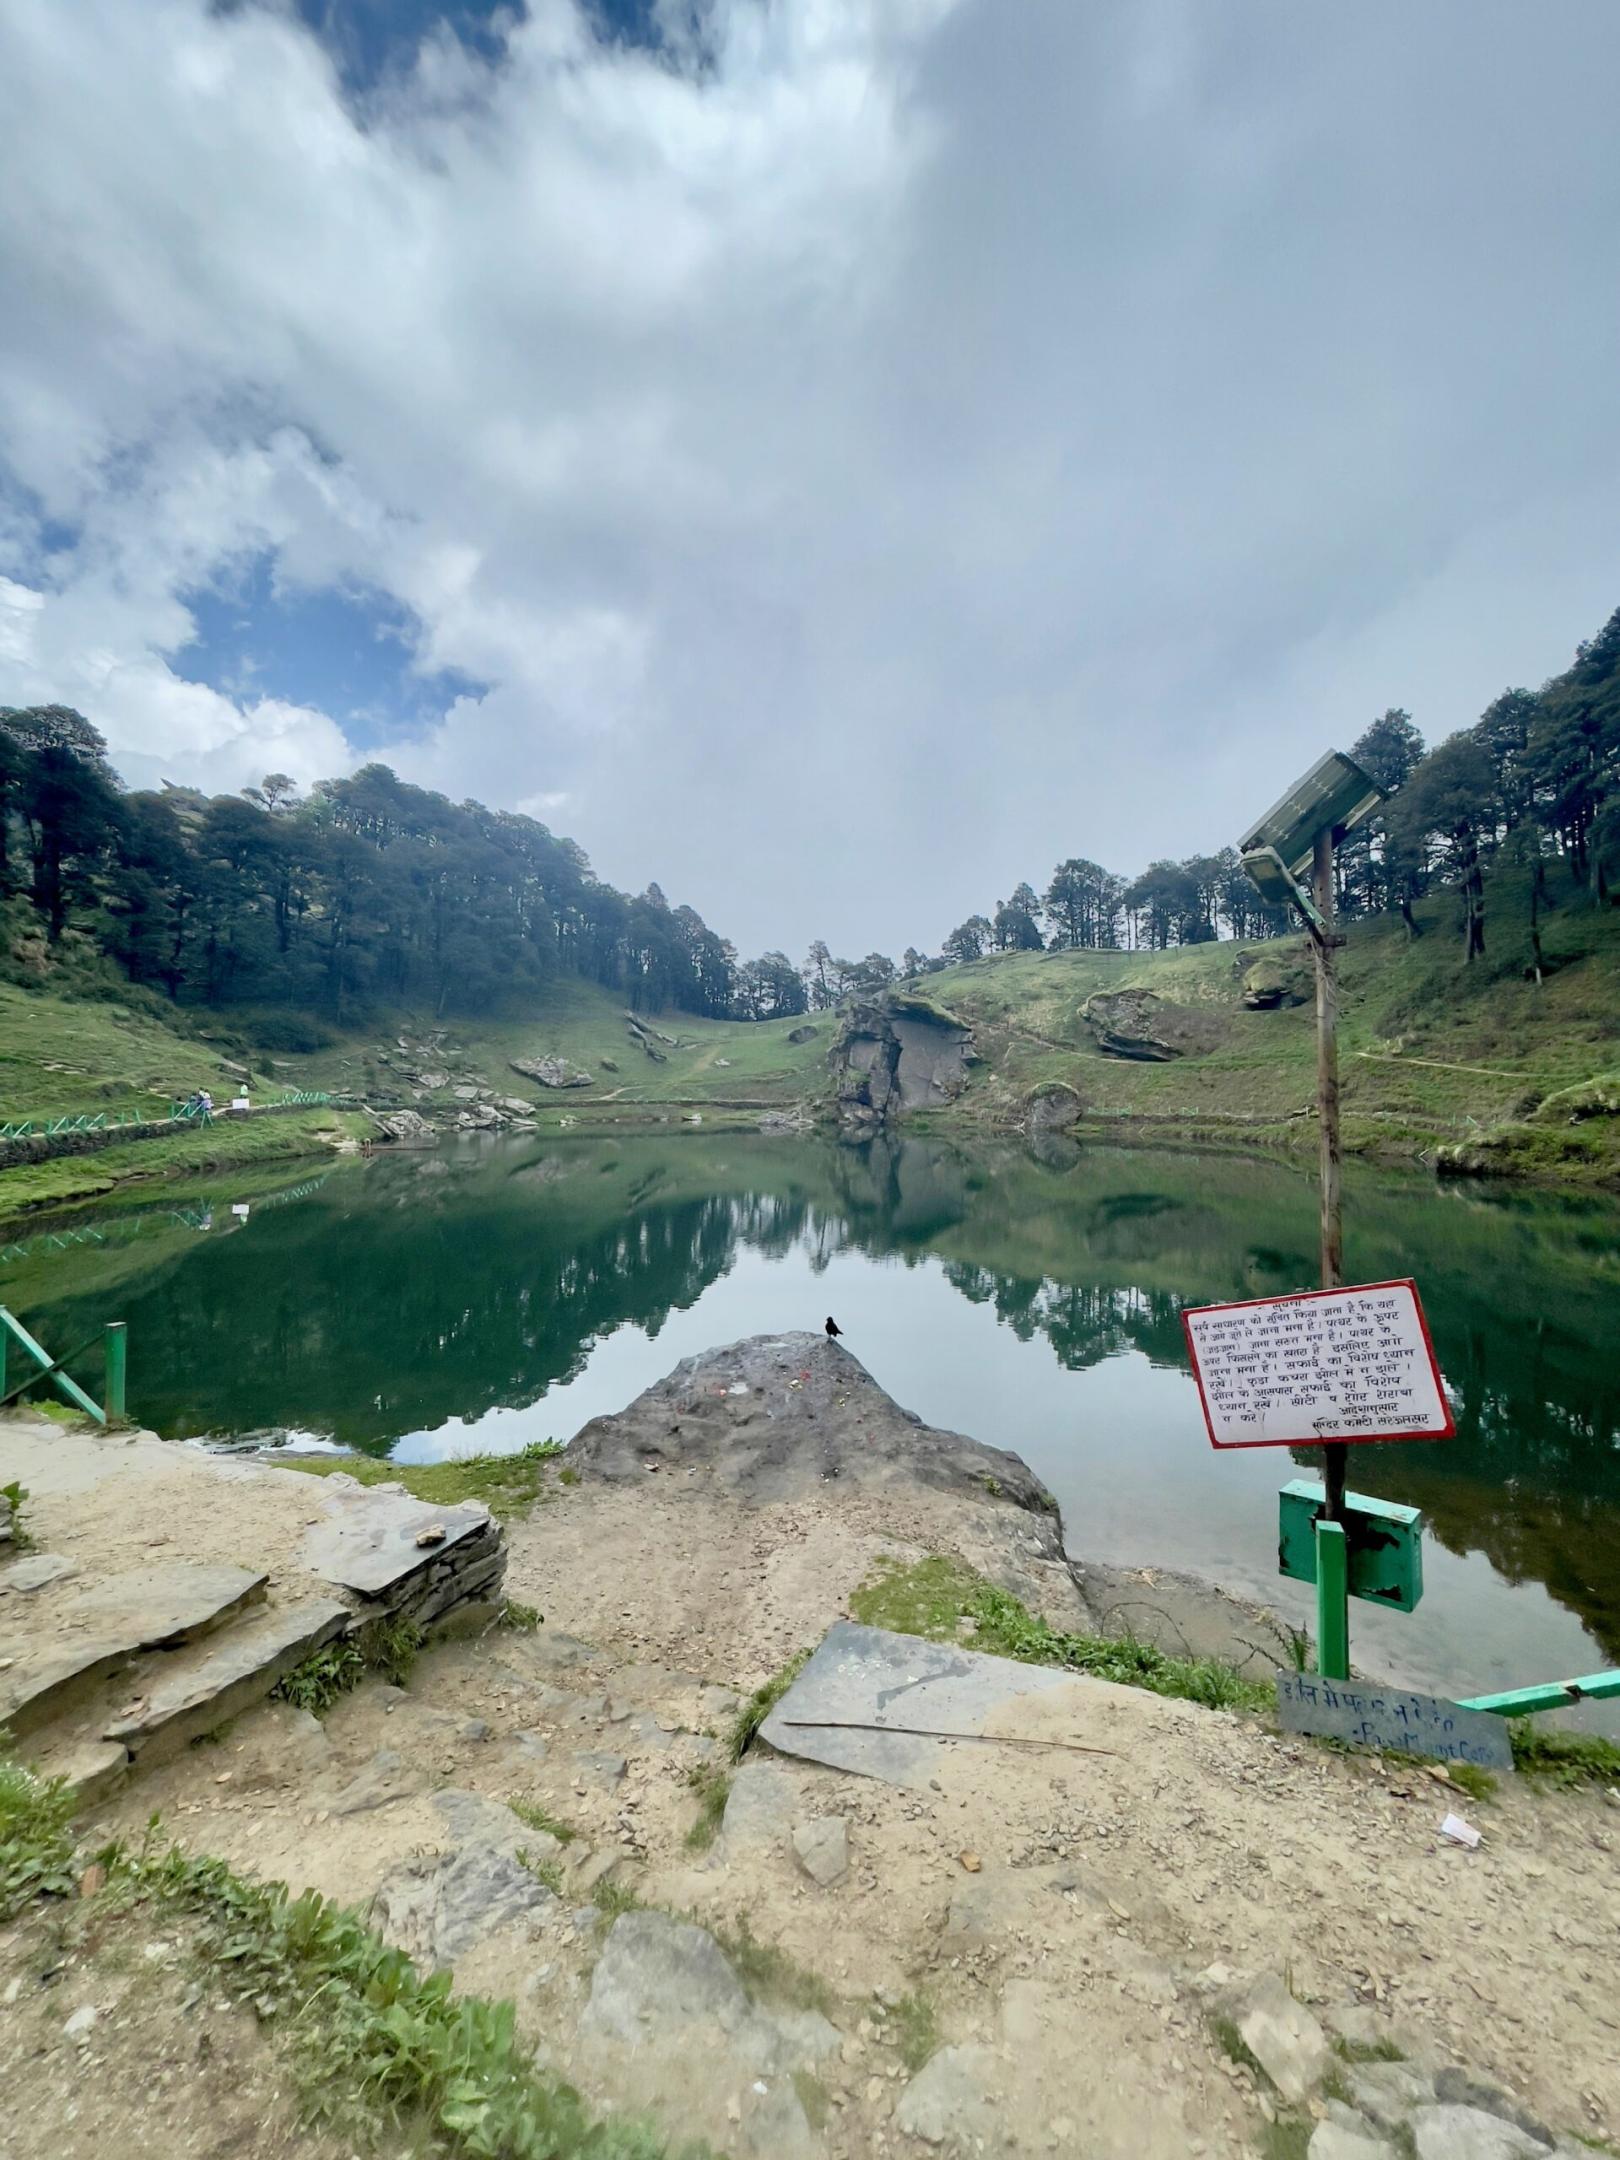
column 833, row 1329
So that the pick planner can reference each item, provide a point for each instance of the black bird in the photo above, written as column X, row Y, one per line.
column 833, row 1329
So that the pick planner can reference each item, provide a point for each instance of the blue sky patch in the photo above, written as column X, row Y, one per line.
column 348, row 653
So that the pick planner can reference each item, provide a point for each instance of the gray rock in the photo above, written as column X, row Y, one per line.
column 661, row 1982
column 550, row 1648
column 1471, row 2133
column 1332, row 2140
column 201, row 1688
column 474, row 1728
column 551, row 1072
column 438, row 1910
column 530, row 1747
column 821, row 1847
column 1387, row 2092
column 761, row 1809
column 593, row 1767
column 1282, row 2036
column 955, row 2095
column 594, row 1868
column 35, row 1571
column 383, row 1780
column 471, row 1819
column 368, row 1541
column 1467, row 2088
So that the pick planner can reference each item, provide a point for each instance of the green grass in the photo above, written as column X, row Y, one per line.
column 713, row 1788
column 1563, row 1758
column 769, row 1973
column 16, row 1496
column 391, row 1649
column 540, row 1818
column 36, row 1842
column 760, row 1704
column 548, row 1873
column 226, row 1144
column 316, row 1683
column 509, row 1485
column 1365, row 2051
column 613, row 1898
column 520, row 1618
column 912, row 2028
column 932, row 1597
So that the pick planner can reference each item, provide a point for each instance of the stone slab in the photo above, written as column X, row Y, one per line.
column 107, row 1627
column 866, row 1677
column 34, row 1572
column 1391, row 1720
column 204, row 1688
column 368, row 1542
column 90, row 1769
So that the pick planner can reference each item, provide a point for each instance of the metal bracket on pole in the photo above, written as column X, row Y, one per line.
column 1332, row 1601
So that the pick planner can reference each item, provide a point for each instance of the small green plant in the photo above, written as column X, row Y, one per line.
column 567, row 1477
column 932, row 1597
column 761, row 1703
column 814, row 2098
column 316, row 1683
column 913, row 2029
column 612, row 1897
column 392, row 1649
column 36, row 1843
column 1287, row 2138
column 1563, row 1758
column 539, row 1818
column 522, row 1619
column 16, row 1496
column 713, row 1789
column 1471, row 1779
column 1366, row 2051
column 548, row 1873
column 1236, row 2049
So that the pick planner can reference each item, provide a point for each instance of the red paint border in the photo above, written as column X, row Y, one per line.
column 1299, row 1297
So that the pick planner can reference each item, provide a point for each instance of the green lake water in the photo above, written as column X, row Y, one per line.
column 494, row 1292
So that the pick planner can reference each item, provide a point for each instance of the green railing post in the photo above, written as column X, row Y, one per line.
column 117, row 1368
column 1332, row 1602
column 51, row 1369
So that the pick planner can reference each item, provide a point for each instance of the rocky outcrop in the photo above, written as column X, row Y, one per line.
column 1053, row 1108
column 552, row 1072
column 1148, row 1029
column 779, row 1418
column 896, row 1053
column 804, row 1034
column 1277, row 979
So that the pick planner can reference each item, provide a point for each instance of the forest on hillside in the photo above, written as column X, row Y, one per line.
column 369, row 892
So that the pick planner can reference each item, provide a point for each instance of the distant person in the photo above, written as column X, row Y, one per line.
column 833, row 1329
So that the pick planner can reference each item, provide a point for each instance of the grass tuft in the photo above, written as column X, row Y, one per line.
column 509, row 1485
column 522, row 1619
column 614, row 1898
column 1563, row 1758
column 548, row 1873
column 36, row 1843
column 769, row 1973
column 933, row 1597
column 323, row 1676
column 713, row 1788
column 16, row 1496
column 539, row 1818
column 392, row 1649
column 761, row 1703
column 913, row 2029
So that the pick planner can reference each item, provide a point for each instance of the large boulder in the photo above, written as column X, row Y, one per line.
column 895, row 1053
column 1052, row 1108
column 1146, row 1028
column 1277, row 979
column 552, row 1072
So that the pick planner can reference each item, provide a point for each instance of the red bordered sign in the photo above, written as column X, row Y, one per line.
column 1317, row 1366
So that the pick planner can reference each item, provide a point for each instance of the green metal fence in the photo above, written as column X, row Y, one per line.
column 115, row 1344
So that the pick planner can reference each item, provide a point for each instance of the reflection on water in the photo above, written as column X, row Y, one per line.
column 495, row 1291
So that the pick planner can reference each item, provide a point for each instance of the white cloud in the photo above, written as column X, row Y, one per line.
column 924, row 440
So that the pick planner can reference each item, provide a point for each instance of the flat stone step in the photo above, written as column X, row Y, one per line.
column 107, row 1626
column 90, row 1769
column 370, row 1543
column 195, row 1691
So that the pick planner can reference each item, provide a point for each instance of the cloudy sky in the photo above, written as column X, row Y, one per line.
column 832, row 456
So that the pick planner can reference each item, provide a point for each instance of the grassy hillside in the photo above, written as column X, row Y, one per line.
column 1433, row 1054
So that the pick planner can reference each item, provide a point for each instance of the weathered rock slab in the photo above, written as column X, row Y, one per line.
column 369, row 1542
column 1469, row 2133
column 861, row 1680
column 821, row 1847
column 35, row 1571
column 207, row 1686
column 436, row 1910
column 1283, row 2037
column 955, row 2095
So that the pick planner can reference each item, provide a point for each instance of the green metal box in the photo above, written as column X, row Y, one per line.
column 1384, row 1541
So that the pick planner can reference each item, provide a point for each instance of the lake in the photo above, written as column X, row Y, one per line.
column 493, row 1292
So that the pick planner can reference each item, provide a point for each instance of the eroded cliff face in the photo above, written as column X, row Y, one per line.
column 896, row 1053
